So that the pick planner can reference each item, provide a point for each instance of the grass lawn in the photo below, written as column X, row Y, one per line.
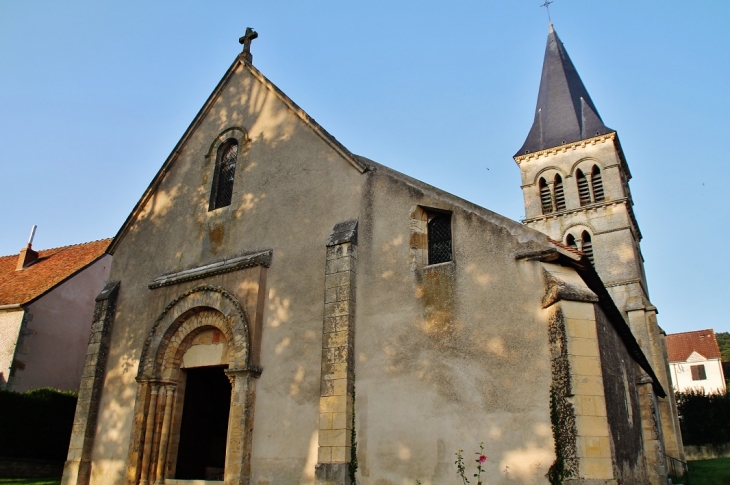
column 709, row 472
column 30, row 481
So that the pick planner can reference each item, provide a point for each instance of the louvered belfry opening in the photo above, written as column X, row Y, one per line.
column 439, row 239
column 587, row 245
column 584, row 192
column 225, row 171
column 546, row 198
column 570, row 241
column 597, row 184
column 559, row 193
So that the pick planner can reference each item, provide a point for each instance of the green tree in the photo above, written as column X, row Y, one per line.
column 723, row 340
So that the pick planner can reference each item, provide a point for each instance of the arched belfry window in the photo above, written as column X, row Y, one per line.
column 587, row 245
column 225, row 171
column 584, row 191
column 570, row 241
column 439, row 239
column 546, row 198
column 597, row 183
column 559, row 193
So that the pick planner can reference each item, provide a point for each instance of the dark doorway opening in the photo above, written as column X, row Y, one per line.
column 204, row 428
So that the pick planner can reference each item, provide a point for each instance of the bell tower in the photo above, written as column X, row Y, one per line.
column 575, row 183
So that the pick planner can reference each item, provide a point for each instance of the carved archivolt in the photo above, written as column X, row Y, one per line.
column 182, row 319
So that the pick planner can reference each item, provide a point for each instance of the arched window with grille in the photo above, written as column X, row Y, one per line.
column 587, row 245
column 546, row 198
column 559, row 193
column 439, row 239
column 225, row 171
column 584, row 191
column 570, row 241
column 597, row 183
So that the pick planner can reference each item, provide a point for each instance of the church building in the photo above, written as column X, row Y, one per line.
column 283, row 311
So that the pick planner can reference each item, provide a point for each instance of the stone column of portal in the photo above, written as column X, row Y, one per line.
column 651, row 433
column 77, row 469
column 240, row 425
column 149, row 430
column 337, row 383
column 164, row 435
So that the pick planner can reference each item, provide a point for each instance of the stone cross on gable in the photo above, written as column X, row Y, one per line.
column 246, row 41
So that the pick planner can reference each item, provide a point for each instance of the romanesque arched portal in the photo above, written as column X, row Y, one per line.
column 204, row 316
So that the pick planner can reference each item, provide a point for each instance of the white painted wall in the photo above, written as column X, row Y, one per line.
column 682, row 375
column 10, row 322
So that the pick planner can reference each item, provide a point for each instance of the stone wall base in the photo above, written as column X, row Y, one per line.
column 332, row 474
column 707, row 452
column 589, row 481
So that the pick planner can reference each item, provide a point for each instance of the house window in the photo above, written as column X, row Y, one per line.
column 597, row 183
column 559, row 193
column 225, row 171
column 698, row 372
column 439, row 238
column 546, row 198
column 584, row 191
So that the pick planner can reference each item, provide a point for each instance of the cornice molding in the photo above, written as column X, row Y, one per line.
column 564, row 148
column 262, row 258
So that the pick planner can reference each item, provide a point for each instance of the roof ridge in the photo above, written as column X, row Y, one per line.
column 62, row 247
column 692, row 331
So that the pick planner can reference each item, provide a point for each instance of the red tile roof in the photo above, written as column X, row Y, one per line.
column 566, row 247
column 681, row 345
column 52, row 267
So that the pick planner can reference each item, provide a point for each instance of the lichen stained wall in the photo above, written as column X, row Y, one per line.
column 622, row 403
column 452, row 354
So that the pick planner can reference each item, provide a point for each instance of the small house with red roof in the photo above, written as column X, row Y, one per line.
column 695, row 361
column 46, row 309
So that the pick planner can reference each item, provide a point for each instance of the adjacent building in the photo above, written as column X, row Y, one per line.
column 46, row 309
column 695, row 362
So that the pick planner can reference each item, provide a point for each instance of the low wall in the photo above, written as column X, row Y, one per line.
column 30, row 468
column 707, row 452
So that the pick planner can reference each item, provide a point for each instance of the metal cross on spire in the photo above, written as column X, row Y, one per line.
column 547, row 7
column 246, row 41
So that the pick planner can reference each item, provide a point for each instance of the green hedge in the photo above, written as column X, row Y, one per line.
column 705, row 420
column 36, row 424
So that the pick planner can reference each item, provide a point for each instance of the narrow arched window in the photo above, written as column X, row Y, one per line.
column 546, row 198
column 570, row 241
column 597, row 183
column 225, row 171
column 584, row 192
column 439, row 239
column 587, row 245
column 559, row 193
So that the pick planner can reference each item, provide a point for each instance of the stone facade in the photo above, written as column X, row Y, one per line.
column 614, row 238
column 347, row 352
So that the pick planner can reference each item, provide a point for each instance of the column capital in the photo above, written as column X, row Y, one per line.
column 252, row 370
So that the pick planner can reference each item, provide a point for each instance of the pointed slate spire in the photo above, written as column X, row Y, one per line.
column 565, row 112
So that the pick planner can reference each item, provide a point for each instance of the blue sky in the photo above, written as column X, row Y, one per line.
column 94, row 96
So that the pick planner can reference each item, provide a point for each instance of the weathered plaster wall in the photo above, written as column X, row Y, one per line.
column 10, row 323
column 622, row 403
column 55, row 338
column 452, row 354
column 290, row 190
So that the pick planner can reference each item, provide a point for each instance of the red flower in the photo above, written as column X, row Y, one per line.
column 482, row 458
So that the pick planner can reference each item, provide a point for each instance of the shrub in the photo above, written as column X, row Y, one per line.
column 705, row 419
column 36, row 424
